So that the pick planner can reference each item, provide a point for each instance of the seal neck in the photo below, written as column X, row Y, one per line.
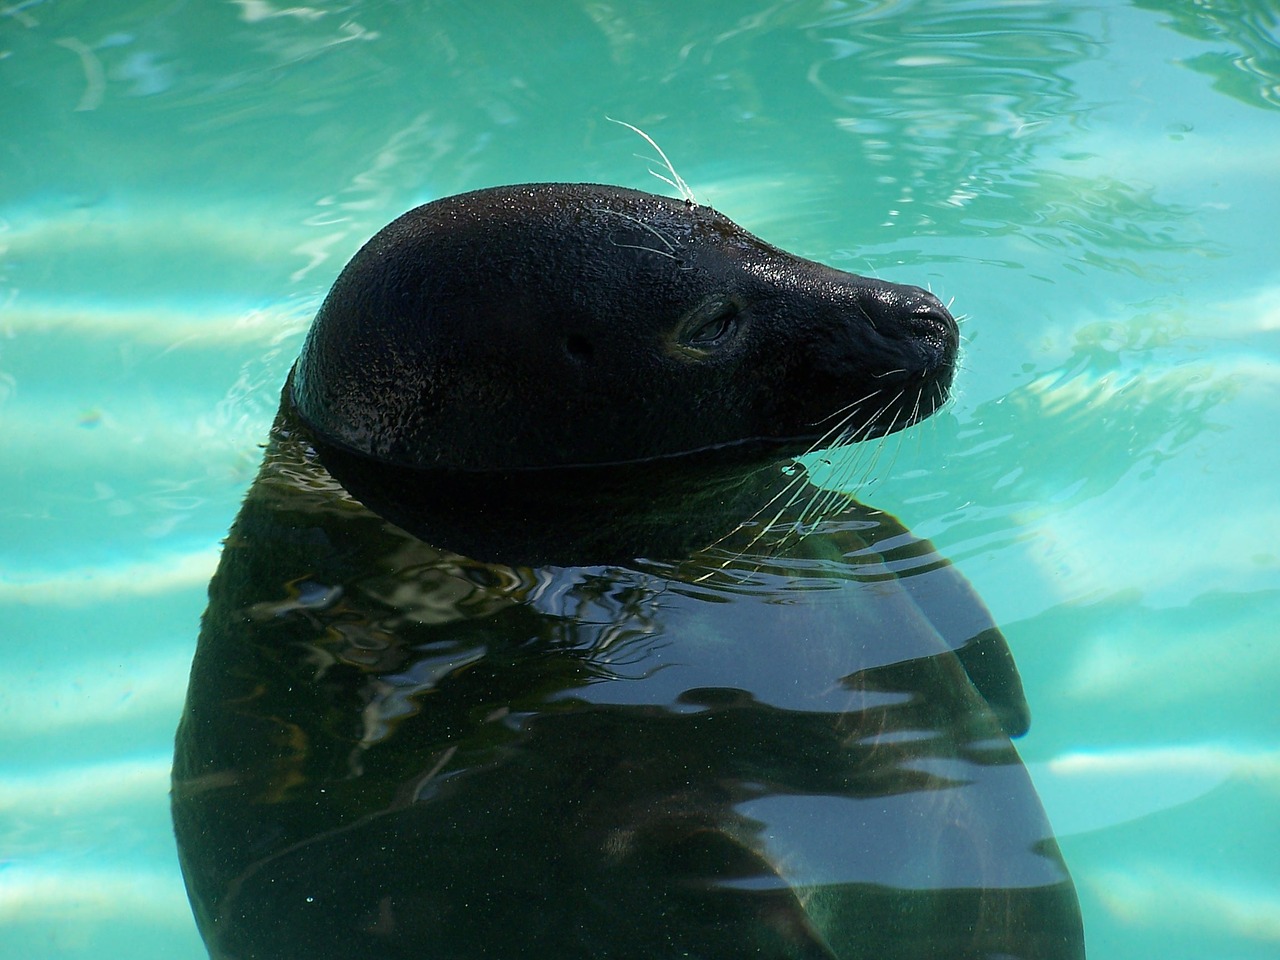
column 576, row 516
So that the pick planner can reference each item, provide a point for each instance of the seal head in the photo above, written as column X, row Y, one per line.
column 557, row 325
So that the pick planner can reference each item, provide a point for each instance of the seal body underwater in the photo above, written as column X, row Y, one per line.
column 532, row 639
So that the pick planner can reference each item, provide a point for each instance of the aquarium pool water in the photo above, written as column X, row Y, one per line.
column 1092, row 186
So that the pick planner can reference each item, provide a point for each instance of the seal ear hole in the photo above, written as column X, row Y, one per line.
column 579, row 347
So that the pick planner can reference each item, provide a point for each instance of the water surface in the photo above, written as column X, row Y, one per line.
column 1091, row 185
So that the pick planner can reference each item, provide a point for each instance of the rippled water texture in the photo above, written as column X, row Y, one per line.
column 1092, row 186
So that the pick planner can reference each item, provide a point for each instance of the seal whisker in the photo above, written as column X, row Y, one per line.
column 796, row 484
column 854, row 479
column 822, row 503
column 844, row 483
column 835, row 436
column 897, row 449
column 848, row 407
column 792, row 529
column 844, row 413
column 795, row 487
column 638, row 246
column 654, row 173
column 867, row 426
column 677, row 181
column 638, row 222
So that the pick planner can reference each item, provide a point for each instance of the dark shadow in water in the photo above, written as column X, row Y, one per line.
column 772, row 746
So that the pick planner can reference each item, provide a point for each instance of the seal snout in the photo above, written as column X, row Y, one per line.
column 917, row 324
column 916, row 343
column 912, row 313
column 933, row 329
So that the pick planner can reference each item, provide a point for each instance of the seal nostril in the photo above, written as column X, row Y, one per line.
column 925, row 328
column 579, row 347
column 929, row 320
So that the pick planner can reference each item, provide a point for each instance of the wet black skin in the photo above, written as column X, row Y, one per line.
column 515, row 650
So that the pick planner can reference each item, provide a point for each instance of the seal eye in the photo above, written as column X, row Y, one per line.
column 710, row 325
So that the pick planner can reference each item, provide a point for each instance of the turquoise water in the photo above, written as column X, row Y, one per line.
column 1093, row 186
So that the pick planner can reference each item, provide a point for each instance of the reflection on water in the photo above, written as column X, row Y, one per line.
column 172, row 169
column 777, row 746
column 1245, row 35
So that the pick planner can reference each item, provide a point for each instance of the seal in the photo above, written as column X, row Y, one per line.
column 532, row 637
